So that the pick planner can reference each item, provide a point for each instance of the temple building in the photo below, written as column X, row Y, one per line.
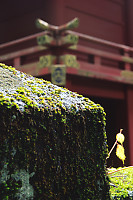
column 86, row 43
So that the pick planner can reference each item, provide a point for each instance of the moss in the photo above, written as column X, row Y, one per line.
column 122, row 180
column 57, row 134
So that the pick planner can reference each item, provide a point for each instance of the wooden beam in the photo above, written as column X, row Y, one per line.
column 22, row 52
column 103, row 54
column 101, row 41
column 105, row 73
column 129, row 97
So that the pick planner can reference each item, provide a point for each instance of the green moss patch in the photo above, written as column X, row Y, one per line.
column 53, row 141
column 121, row 183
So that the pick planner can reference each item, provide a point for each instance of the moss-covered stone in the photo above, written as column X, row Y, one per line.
column 53, row 141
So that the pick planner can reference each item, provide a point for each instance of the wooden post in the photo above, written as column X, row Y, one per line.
column 17, row 62
column 130, row 121
column 57, row 38
column 127, row 65
column 97, row 60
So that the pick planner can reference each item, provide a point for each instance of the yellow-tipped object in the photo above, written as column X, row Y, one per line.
column 120, row 137
column 120, row 152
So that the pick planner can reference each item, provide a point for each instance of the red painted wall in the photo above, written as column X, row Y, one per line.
column 104, row 19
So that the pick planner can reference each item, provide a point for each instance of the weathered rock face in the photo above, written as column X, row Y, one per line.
column 53, row 141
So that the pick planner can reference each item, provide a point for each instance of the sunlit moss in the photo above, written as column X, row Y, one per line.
column 59, row 136
column 121, row 180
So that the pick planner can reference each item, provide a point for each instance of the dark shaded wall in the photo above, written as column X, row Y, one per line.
column 17, row 18
column 129, row 21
